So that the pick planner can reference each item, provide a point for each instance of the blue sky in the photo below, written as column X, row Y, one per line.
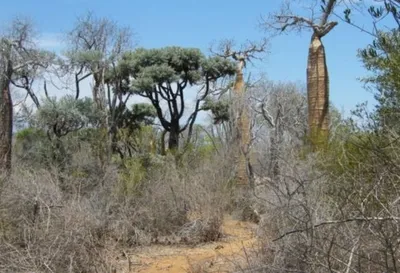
column 196, row 23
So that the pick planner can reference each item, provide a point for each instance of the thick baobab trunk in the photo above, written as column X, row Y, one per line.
column 6, row 125
column 242, row 126
column 318, row 94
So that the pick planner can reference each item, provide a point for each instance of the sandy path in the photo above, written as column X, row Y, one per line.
column 220, row 256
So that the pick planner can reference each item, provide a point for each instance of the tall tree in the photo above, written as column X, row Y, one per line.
column 95, row 46
column 317, row 71
column 165, row 75
column 18, row 56
column 241, row 111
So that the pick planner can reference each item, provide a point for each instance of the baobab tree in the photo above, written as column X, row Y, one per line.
column 317, row 71
column 242, row 122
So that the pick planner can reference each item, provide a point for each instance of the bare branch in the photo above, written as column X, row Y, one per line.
column 334, row 222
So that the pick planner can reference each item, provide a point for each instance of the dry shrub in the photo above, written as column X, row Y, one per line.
column 169, row 197
column 75, row 220
column 333, row 213
column 43, row 231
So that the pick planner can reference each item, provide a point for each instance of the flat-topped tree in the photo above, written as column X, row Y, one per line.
column 165, row 75
column 317, row 71
column 242, row 125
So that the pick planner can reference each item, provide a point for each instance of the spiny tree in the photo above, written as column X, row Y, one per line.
column 242, row 120
column 165, row 75
column 18, row 58
column 317, row 70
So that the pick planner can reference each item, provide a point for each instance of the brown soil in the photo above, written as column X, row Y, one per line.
column 225, row 255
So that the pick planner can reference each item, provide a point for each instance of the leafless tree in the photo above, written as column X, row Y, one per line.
column 245, row 54
column 280, row 109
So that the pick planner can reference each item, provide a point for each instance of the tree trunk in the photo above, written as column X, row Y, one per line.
column 98, row 93
column 173, row 142
column 318, row 94
column 242, row 126
column 6, row 126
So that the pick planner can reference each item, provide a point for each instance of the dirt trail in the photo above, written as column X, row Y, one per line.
column 221, row 256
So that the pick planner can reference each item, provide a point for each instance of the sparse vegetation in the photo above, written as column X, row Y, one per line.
column 86, row 180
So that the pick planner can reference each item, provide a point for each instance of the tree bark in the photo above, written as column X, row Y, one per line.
column 318, row 94
column 243, row 126
column 6, row 125
column 98, row 93
column 173, row 141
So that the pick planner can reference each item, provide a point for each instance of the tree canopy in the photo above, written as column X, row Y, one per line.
column 166, row 75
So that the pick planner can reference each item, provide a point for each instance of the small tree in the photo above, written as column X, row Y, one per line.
column 165, row 75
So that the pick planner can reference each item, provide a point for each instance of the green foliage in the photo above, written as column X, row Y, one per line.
column 29, row 134
column 157, row 66
column 66, row 115
column 382, row 58
column 84, row 57
column 356, row 164
column 140, row 114
column 378, row 10
column 141, row 141
column 130, row 179
column 136, row 171
column 218, row 108
column 206, row 149
column 32, row 146
column 164, row 75
column 172, row 64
